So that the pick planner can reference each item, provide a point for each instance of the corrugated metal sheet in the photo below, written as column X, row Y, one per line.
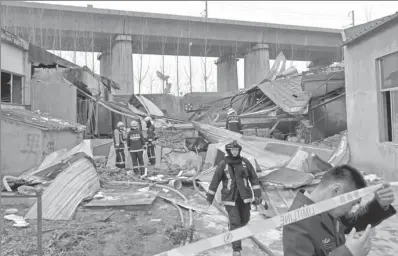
column 60, row 200
column 266, row 159
column 152, row 109
column 354, row 33
column 287, row 94
column 40, row 121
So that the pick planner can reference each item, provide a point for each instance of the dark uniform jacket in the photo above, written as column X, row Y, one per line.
column 151, row 133
column 323, row 235
column 118, row 140
column 234, row 124
column 234, row 175
column 135, row 140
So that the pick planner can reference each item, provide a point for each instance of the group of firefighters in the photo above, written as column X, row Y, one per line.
column 136, row 144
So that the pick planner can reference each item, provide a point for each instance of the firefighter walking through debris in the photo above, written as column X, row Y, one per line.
column 235, row 173
column 151, row 138
column 233, row 122
column 119, row 144
column 136, row 146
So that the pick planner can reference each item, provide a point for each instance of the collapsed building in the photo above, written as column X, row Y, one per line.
column 303, row 107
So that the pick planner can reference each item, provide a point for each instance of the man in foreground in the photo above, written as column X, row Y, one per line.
column 236, row 172
column 324, row 234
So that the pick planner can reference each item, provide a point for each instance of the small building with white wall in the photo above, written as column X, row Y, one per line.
column 15, row 69
column 371, row 76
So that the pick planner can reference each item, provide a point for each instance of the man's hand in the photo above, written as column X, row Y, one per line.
column 385, row 196
column 359, row 246
column 209, row 199
column 257, row 201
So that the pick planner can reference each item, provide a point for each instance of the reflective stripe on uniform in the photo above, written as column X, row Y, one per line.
column 233, row 121
column 256, row 187
column 228, row 203
column 247, row 200
column 211, row 192
column 228, row 177
column 137, row 150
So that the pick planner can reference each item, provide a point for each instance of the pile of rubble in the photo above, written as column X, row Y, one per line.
column 330, row 142
column 172, row 138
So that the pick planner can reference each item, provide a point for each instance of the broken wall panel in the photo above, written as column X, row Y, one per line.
column 265, row 159
column 76, row 183
column 322, row 83
column 329, row 118
column 50, row 94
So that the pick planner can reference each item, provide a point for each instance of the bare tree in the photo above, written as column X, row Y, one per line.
column 151, row 81
column 189, row 73
column 368, row 12
column 206, row 50
column 177, row 63
column 143, row 45
column 162, row 46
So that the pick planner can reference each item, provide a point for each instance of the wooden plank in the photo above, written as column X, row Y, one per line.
column 116, row 199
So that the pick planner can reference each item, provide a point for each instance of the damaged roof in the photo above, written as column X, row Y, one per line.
column 41, row 121
column 13, row 39
column 43, row 58
column 286, row 94
column 357, row 32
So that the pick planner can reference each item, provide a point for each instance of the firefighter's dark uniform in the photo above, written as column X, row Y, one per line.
column 135, row 144
column 323, row 235
column 118, row 142
column 151, row 137
column 234, row 124
column 236, row 194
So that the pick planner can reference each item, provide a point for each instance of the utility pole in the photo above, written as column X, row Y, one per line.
column 206, row 11
column 352, row 15
column 1, row 215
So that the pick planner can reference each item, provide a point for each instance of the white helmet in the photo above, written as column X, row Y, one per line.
column 134, row 124
column 148, row 118
column 120, row 124
column 230, row 111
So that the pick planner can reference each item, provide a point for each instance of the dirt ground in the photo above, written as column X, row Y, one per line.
column 115, row 232
column 106, row 232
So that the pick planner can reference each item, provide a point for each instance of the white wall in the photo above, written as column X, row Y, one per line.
column 12, row 59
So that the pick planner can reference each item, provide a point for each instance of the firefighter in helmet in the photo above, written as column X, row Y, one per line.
column 151, row 137
column 233, row 122
column 235, row 173
column 119, row 144
column 136, row 146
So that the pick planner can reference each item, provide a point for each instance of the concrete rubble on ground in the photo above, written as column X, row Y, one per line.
column 78, row 182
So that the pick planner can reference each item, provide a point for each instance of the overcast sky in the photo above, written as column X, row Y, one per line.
column 328, row 14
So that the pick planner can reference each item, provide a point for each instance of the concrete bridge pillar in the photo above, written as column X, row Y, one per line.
column 118, row 64
column 227, row 73
column 105, row 64
column 256, row 64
